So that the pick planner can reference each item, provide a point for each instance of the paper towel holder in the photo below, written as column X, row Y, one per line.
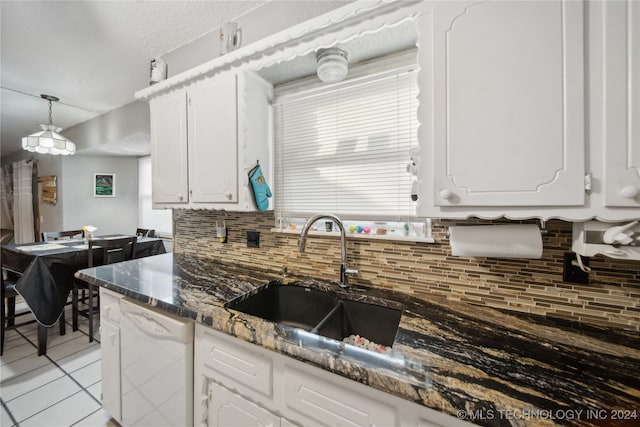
column 543, row 228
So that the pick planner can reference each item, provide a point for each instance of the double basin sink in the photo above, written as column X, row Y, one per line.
column 331, row 315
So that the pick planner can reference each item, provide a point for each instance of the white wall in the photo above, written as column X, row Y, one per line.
column 111, row 215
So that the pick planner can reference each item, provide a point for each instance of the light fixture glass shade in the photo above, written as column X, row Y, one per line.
column 48, row 141
column 333, row 65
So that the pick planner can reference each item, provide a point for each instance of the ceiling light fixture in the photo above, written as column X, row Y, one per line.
column 332, row 65
column 48, row 141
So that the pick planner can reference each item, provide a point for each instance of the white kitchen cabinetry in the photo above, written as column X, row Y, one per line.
column 110, row 352
column 213, row 140
column 507, row 128
column 238, row 383
column 205, row 137
column 504, row 104
column 228, row 409
column 322, row 401
column 169, row 167
column 620, row 118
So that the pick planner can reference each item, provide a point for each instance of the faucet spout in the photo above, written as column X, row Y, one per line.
column 345, row 272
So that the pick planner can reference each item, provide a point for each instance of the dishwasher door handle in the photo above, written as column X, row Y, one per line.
column 148, row 324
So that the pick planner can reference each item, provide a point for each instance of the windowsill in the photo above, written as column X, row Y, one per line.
column 392, row 237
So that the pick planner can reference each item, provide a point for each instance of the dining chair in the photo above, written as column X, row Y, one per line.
column 101, row 252
column 8, row 310
column 146, row 232
column 52, row 236
column 49, row 236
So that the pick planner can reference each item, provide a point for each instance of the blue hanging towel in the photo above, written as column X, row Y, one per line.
column 261, row 191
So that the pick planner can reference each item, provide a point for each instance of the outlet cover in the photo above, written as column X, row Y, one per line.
column 572, row 273
column 253, row 239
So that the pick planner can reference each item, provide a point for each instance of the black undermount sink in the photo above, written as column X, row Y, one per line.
column 322, row 313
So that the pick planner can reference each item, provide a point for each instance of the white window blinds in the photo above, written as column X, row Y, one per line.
column 344, row 148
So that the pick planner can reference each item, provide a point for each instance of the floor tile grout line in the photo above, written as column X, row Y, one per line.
column 82, row 388
column 62, row 369
column 65, row 373
column 14, row 422
column 52, row 405
column 62, row 375
column 72, row 378
column 85, row 417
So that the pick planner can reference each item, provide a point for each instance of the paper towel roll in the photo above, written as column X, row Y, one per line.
column 496, row 241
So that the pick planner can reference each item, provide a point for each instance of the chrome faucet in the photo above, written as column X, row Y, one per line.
column 345, row 272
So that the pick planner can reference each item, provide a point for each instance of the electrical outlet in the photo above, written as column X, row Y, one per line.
column 253, row 239
column 572, row 273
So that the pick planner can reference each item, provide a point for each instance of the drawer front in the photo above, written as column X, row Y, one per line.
column 236, row 361
column 327, row 403
column 110, row 305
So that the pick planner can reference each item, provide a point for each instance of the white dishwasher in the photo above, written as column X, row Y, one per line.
column 157, row 367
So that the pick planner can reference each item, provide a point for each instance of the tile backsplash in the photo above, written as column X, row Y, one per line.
column 612, row 298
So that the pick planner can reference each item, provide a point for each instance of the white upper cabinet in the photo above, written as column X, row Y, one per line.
column 505, row 124
column 206, row 136
column 517, row 121
column 169, row 148
column 213, row 140
column 620, row 94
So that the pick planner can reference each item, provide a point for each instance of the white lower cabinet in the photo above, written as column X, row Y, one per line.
column 110, row 352
column 228, row 409
column 110, row 349
column 241, row 384
column 322, row 401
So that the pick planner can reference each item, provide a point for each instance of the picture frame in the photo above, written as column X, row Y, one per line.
column 104, row 184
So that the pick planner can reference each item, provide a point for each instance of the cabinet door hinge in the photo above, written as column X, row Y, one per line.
column 587, row 183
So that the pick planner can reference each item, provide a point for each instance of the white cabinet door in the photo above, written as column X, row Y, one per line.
column 621, row 99
column 505, row 122
column 110, row 350
column 169, row 148
column 213, row 140
column 324, row 403
column 228, row 409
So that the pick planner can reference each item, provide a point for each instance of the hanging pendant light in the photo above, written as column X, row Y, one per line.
column 48, row 141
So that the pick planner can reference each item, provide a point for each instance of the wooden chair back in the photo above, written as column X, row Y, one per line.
column 112, row 250
column 146, row 232
column 49, row 236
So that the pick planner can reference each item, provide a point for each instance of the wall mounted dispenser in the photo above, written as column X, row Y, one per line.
column 615, row 240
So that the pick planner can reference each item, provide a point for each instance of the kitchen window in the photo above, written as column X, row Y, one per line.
column 344, row 148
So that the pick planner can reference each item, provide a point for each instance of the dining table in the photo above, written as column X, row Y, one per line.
column 46, row 272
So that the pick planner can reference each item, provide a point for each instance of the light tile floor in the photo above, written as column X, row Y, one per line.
column 61, row 388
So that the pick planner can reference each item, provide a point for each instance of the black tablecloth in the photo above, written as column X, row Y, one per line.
column 47, row 276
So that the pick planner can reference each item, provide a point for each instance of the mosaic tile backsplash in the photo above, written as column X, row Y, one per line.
column 612, row 297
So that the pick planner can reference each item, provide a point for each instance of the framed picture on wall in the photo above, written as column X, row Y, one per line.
column 104, row 185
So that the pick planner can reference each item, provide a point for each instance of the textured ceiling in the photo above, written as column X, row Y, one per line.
column 93, row 55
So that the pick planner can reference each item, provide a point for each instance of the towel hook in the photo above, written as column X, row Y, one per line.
column 580, row 264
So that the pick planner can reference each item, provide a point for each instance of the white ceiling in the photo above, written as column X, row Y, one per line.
column 93, row 55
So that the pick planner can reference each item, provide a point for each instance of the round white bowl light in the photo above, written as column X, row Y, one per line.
column 332, row 65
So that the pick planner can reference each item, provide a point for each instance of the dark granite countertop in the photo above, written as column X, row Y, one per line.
column 498, row 367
